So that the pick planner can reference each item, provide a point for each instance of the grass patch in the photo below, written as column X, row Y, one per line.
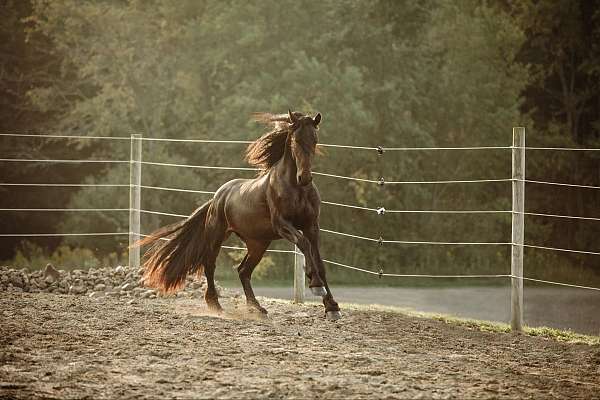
column 566, row 336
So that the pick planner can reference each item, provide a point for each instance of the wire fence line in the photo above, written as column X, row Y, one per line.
column 561, row 216
column 147, row 139
column 383, row 241
column 559, row 249
column 65, row 161
column 554, row 283
column 163, row 213
column 380, row 240
column 199, row 166
column 235, row 247
column 68, row 184
column 561, row 148
column 482, row 276
column 351, row 147
column 559, row 184
column 379, row 181
column 341, row 146
column 378, row 210
column 380, row 273
column 53, row 136
column 65, row 209
column 176, row 189
column 63, row 234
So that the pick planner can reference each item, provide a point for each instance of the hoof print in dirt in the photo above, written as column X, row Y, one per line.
column 254, row 310
column 333, row 315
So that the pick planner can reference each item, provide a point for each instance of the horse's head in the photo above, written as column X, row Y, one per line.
column 303, row 144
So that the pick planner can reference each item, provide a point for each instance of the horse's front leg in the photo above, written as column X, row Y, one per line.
column 287, row 231
column 331, row 306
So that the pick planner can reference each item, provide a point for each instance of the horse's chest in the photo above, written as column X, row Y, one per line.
column 296, row 207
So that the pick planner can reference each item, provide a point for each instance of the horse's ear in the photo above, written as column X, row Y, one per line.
column 317, row 120
column 293, row 119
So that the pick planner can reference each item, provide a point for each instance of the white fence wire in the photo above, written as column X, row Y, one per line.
column 380, row 210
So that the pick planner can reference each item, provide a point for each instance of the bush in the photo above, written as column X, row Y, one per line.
column 32, row 256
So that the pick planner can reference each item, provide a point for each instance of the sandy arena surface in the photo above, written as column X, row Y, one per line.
column 63, row 346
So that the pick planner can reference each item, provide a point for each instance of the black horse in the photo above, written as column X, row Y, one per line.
column 281, row 203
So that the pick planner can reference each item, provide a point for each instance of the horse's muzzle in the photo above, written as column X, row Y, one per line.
column 304, row 179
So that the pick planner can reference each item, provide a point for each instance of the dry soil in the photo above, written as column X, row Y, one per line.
column 63, row 346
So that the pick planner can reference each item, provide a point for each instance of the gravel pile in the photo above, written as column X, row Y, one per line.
column 121, row 281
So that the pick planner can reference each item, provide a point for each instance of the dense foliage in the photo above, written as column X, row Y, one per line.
column 382, row 73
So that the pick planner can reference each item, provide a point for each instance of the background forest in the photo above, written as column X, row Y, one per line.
column 391, row 73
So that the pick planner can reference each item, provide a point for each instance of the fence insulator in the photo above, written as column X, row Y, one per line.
column 381, row 181
column 381, row 211
column 380, row 241
column 380, row 150
column 380, row 273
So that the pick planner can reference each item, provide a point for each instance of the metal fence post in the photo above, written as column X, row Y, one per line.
column 518, row 228
column 299, row 283
column 135, row 181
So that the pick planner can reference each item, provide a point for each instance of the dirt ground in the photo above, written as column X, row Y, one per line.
column 61, row 346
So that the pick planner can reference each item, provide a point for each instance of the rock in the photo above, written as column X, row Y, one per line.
column 50, row 271
column 16, row 281
column 121, row 281
column 101, row 287
column 76, row 289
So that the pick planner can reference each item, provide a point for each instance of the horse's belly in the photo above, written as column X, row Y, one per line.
column 249, row 217
column 251, row 225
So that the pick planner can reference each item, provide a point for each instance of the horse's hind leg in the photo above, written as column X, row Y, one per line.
column 256, row 250
column 211, row 297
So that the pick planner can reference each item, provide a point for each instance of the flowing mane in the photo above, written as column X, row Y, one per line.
column 269, row 148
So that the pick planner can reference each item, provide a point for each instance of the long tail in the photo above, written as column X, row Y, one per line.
column 170, row 260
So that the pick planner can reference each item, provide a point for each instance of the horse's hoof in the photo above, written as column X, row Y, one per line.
column 215, row 308
column 334, row 315
column 318, row 291
column 257, row 309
